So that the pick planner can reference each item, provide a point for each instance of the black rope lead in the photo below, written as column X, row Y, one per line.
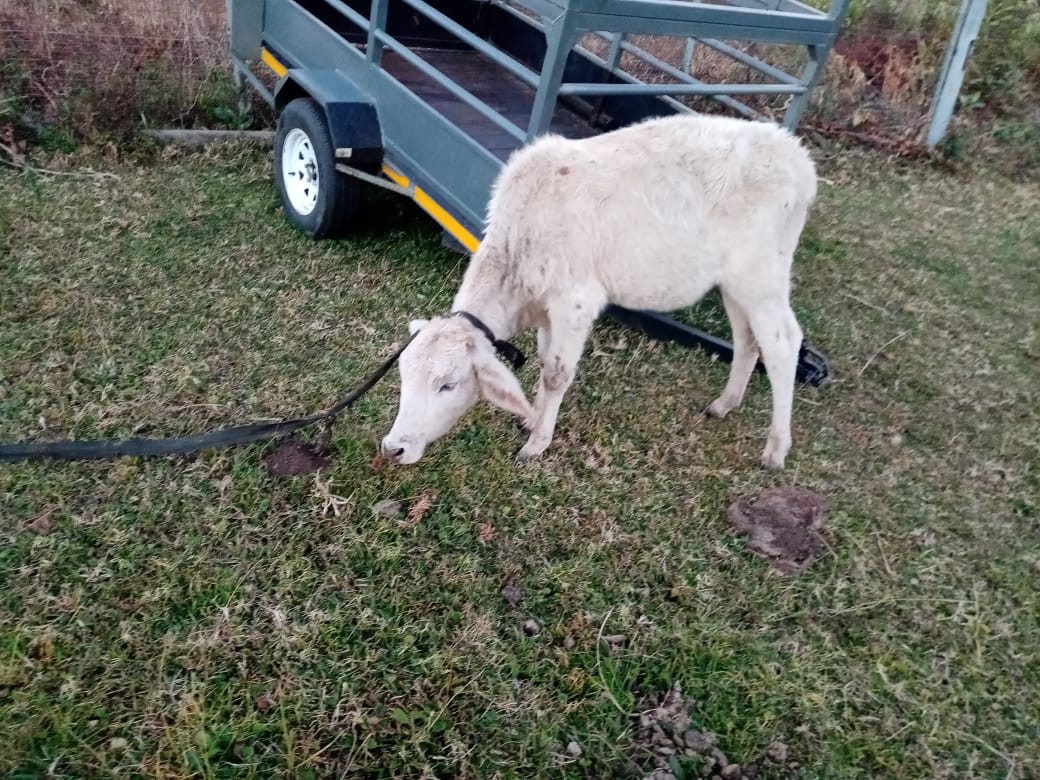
column 103, row 449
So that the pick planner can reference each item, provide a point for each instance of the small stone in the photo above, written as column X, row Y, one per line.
column 699, row 740
column 777, row 752
column 922, row 537
column 720, row 757
column 41, row 524
column 532, row 627
column 573, row 749
column 569, row 643
column 664, row 750
column 265, row 703
column 512, row 594
column 731, row 772
column 388, row 507
column 117, row 743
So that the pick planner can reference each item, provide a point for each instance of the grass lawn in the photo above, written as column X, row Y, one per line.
column 195, row 617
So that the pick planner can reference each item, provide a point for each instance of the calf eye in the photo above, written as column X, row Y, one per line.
column 447, row 388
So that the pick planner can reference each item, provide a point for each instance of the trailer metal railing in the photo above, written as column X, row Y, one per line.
column 797, row 86
column 549, row 84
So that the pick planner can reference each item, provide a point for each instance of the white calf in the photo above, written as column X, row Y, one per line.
column 651, row 216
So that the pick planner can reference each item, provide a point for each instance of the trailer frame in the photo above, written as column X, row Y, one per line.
column 429, row 98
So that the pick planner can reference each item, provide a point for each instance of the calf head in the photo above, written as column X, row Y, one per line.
column 446, row 368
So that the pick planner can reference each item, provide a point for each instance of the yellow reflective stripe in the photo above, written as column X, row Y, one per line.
column 272, row 63
column 395, row 177
column 435, row 210
column 448, row 222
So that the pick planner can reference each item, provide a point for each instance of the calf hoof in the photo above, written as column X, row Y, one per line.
column 718, row 408
column 772, row 459
column 531, row 451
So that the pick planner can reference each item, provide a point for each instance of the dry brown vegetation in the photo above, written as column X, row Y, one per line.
column 102, row 66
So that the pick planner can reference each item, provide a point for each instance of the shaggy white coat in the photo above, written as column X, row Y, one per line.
column 651, row 216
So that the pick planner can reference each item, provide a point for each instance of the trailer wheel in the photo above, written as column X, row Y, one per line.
column 318, row 199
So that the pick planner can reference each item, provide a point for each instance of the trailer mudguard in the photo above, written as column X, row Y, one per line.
column 350, row 114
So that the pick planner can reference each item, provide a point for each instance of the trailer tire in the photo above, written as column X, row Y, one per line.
column 317, row 199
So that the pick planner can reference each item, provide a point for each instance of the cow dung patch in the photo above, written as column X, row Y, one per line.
column 668, row 746
column 293, row 457
column 783, row 525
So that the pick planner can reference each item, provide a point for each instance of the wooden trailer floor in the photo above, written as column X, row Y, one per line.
column 490, row 83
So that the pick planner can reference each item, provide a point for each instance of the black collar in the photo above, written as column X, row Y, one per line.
column 503, row 348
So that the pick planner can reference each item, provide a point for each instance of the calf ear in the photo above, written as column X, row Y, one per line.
column 415, row 326
column 499, row 386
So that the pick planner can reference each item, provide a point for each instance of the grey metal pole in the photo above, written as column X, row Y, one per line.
column 795, row 109
column 377, row 24
column 559, row 38
column 818, row 56
column 951, row 77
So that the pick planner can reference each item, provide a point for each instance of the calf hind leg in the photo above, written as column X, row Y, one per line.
column 779, row 338
column 745, row 356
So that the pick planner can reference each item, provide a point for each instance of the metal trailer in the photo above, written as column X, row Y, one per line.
column 428, row 99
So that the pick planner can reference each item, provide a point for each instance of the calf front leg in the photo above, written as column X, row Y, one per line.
column 563, row 346
column 539, row 393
